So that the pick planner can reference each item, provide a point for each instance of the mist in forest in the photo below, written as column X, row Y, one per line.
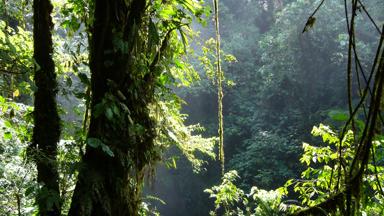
column 288, row 77
column 114, row 107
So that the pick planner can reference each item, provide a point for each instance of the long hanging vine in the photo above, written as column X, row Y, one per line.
column 220, row 76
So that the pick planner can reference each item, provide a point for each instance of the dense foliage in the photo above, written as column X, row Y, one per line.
column 165, row 25
column 126, row 73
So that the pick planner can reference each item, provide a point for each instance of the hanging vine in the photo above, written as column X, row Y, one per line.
column 220, row 76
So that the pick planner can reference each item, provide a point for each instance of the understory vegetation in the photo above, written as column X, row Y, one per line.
column 191, row 107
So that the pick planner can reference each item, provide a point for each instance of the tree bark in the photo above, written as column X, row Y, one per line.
column 109, row 184
column 46, row 132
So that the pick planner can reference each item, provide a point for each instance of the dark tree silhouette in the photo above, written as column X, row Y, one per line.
column 46, row 132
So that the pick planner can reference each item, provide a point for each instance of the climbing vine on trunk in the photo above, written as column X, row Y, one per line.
column 46, row 132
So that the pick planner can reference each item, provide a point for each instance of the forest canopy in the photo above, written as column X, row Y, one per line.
column 191, row 107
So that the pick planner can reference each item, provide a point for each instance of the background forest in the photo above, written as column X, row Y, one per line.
column 120, row 117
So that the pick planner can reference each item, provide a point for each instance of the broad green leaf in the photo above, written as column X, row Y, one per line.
column 107, row 150
column 94, row 142
column 97, row 143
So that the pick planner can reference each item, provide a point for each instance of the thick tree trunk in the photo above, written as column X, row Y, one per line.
column 109, row 183
column 46, row 132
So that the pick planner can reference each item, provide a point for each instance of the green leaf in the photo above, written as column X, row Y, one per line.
column 7, row 135
column 109, row 114
column 154, row 37
column 8, row 124
column 115, row 110
column 2, row 99
column 97, row 143
column 338, row 115
column 98, row 109
column 94, row 142
column 174, row 162
column 107, row 150
column 184, row 40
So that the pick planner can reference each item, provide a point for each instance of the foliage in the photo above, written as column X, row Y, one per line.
column 178, row 73
column 280, row 83
column 234, row 201
column 72, row 22
column 226, row 194
column 173, row 132
column 320, row 179
column 16, row 61
column 17, row 187
column 260, row 162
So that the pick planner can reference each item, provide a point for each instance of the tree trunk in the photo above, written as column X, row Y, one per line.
column 109, row 182
column 46, row 132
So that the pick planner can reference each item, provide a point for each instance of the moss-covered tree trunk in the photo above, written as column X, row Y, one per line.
column 46, row 132
column 121, row 132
